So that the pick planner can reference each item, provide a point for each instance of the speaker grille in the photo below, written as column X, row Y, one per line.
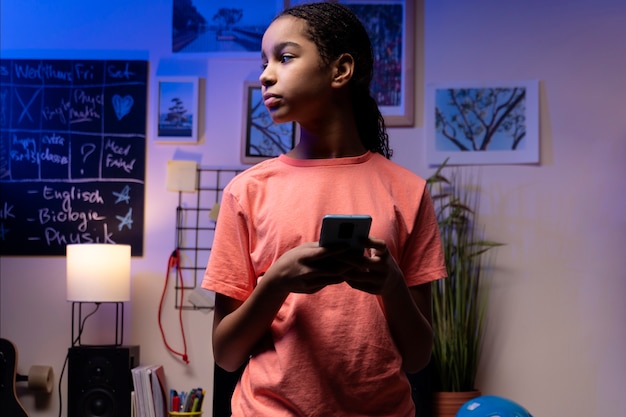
column 99, row 380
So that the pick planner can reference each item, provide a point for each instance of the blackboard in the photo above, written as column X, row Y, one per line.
column 72, row 154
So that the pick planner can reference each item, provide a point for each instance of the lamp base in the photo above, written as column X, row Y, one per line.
column 78, row 322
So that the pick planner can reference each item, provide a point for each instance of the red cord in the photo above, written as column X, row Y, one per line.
column 174, row 262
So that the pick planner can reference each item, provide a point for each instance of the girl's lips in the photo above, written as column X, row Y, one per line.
column 271, row 100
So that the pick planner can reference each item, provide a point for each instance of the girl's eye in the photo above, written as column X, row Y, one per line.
column 282, row 59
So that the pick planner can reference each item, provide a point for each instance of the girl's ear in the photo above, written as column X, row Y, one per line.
column 343, row 69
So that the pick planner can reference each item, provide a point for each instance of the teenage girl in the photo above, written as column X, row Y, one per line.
column 323, row 332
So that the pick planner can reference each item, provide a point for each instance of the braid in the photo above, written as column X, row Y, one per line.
column 370, row 123
column 335, row 30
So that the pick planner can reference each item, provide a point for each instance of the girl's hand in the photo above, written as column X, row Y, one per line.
column 308, row 268
column 377, row 274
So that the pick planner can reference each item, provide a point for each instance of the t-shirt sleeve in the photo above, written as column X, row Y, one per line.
column 422, row 260
column 229, row 271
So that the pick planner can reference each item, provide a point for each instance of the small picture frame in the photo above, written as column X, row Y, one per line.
column 393, row 42
column 482, row 123
column 178, row 110
column 262, row 138
column 222, row 28
column 391, row 28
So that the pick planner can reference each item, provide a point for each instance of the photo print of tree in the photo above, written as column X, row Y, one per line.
column 178, row 107
column 221, row 26
column 262, row 138
column 476, row 124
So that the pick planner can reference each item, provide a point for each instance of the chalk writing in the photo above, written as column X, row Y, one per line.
column 72, row 154
column 126, row 220
column 6, row 211
column 122, row 105
column 123, row 196
column 25, row 105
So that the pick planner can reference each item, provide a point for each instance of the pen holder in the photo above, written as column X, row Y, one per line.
column 181, row 413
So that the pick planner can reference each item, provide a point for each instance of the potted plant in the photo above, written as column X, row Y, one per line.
column 460, row 300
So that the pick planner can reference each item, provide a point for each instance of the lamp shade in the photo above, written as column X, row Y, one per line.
column 98, row 272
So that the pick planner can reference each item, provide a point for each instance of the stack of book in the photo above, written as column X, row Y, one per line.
column 149, row 398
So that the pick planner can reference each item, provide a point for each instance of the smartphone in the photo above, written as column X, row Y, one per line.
column 345, row 230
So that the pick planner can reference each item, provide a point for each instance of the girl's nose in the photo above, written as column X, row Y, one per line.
column 266, row 77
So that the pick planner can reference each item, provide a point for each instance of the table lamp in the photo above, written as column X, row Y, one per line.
column 98, row 273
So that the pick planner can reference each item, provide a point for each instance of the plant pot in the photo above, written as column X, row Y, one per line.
column 447, row 404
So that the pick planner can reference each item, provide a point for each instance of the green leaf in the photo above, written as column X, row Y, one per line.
column 460, row 300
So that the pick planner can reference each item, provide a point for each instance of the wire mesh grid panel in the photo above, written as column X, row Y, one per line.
column 196, row 215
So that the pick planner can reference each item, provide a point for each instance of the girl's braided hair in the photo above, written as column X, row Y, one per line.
column 336, row 30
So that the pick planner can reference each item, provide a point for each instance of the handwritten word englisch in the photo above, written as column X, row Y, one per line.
column 73, row 194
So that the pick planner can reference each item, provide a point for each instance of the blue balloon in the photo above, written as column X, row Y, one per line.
column 492, row 406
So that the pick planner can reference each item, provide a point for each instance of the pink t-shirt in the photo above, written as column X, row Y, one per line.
column 330, row 353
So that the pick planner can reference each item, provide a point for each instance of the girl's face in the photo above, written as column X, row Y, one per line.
column 296, row 84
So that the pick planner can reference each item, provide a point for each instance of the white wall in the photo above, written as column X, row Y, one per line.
column 557, row 333
column 557, row 324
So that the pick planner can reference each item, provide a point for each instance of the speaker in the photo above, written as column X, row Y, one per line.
column 99, row 380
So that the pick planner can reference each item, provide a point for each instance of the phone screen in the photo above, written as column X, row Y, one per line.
column 345, row 230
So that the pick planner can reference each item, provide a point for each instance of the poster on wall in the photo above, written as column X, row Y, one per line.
column 222, row 27
column 473, row 123
column 72, row 154
column 390, row 25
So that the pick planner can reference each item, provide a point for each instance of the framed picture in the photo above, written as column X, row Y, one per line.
column 482, row 123
column 261, row 137
column 178, row 109
column 222, row 27
column 391, row 27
